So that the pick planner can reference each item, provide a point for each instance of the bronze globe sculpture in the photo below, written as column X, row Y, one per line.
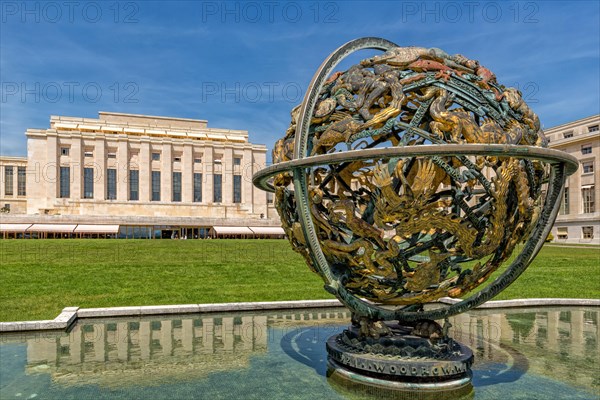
column 411, row 176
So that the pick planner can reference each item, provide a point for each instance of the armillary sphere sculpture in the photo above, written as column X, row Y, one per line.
column 412, row 176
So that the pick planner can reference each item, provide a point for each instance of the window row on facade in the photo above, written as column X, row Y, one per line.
column 590, row 129
column 9, row 180
column 155, row 185
column 587, row 232
column 156, row 156
column 588, row 199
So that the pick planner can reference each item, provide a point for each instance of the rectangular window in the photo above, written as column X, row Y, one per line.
column 65, row 182
column 567, row 135
column 564, row 207
column 587, row 149
column 217, row 188
column 134, row 184
column 588, row 197
column 176, row 159
column 111, row 184
column 88, row 154
column 88, row 183
column 237, row 161
column 587, row 232
column 64, row 151
column 593, row 128
column 21, row 181
column 562, row 232
column 155, row 156
column 176, row 186
column 588, row 167
column 111, row 155
column 237, row 188
column 8, row 180
column 155, row 185
column 197, row 188
column 197, row 160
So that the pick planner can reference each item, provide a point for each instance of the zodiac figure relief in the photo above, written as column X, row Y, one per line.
column 409, row 230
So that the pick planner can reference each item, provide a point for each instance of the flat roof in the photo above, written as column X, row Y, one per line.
column 151, row 116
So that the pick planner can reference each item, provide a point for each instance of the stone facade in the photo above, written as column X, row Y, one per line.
column 138, row 165
column 579, row 217
column 13, row 190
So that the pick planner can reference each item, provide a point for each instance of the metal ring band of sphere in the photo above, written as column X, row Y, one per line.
column 563, row 164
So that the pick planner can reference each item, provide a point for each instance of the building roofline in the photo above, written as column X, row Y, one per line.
column 150, row 116
column 571, row 123
column 13, row 158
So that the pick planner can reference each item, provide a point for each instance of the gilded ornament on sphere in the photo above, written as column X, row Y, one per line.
column 411, row 176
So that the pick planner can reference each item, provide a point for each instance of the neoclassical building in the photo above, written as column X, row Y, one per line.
column 143, row 176
column 579, row 217
column 136, row 170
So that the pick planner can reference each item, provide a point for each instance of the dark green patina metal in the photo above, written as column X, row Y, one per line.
column 437, row 155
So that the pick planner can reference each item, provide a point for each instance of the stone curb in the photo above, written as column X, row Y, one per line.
column 70, row 314
column 62, row 322
column 528, row 302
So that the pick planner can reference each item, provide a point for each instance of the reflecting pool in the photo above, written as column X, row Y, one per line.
column 525, row 353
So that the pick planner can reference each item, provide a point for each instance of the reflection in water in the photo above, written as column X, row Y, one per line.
column 557, row 344
column 509, row 346
column 120, row 352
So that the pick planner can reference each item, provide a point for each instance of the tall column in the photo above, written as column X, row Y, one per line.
column 187, row 174
column 76, row 345
column 166, row 172
column 100, row 342
column 122, row 170
column 247, row 333
column 76, row 154
column 227, row 333
column 166, row 337
column 16, row 180
column 145, row 339
column 145, row 173
column 227, row 184
column 261, row 333
column 123, row 341
column 552, row 329
column 247, row 187
column 207, row 176
column 2, row 177
column 260, row 196
column 187, row 335
column 99, row 170
column 50, row 173
column 208, row 335
column 577, row 338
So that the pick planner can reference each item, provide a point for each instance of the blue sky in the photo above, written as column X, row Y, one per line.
column 244, row 65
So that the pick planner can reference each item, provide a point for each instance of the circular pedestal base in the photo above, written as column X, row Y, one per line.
column 357, row 386
column 400, row 363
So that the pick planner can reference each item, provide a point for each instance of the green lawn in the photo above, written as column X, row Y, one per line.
column 40, row 277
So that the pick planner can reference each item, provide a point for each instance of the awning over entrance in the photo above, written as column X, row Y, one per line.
column 14, row 227
column 232, row 230
column 267, row 230
column 58, row 228
column 97, row 229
